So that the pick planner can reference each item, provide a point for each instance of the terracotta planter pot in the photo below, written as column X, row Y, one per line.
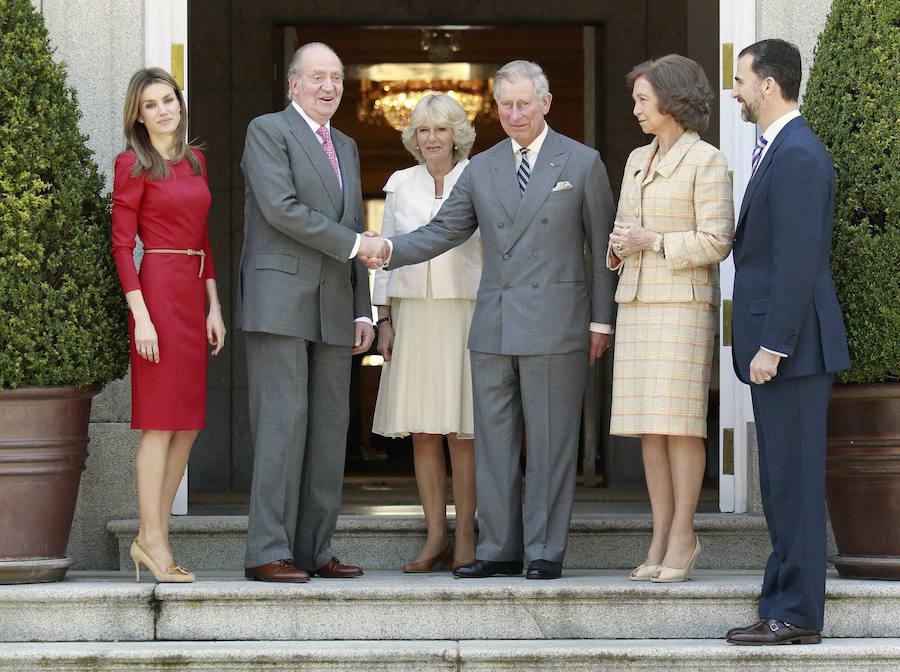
column 863, row 479
column 43, row 447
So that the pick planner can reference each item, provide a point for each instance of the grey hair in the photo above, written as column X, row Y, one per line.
column 294, row 67
column 522, row 69
column 439, row 108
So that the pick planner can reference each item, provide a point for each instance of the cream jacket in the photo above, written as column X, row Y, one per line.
column 687, row 198
column 409, row 204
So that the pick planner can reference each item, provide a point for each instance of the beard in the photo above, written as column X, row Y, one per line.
column 749, row 111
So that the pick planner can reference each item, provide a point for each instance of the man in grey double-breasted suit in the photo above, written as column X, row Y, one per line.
column 304, row 305
column 537, row 198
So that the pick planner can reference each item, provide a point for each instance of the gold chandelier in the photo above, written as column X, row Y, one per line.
column 390, row 91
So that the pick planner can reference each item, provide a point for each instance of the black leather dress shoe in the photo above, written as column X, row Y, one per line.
column 544, row 569
column 480, row 569
column 772, row 631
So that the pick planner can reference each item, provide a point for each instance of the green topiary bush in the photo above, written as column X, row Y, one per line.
column 62, row 316
column 852, row 102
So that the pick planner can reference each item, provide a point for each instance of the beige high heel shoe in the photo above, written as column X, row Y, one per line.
column 674, row 574
column 643, row 572
column 173, row 574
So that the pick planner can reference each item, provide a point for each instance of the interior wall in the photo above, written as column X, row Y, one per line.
column 231, row 56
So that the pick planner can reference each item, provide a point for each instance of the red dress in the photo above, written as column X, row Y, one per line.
column 166, row 214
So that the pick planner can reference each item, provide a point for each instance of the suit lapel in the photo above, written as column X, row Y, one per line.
column 503, row 167
column 344, row 152
column 310, row 143
column 764, row 166
column 544, row 174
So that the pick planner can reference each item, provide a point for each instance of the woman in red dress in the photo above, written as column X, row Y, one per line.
column 161, row 193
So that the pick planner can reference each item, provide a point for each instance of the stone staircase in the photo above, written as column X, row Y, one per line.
column 385, row 541
column 591, row 619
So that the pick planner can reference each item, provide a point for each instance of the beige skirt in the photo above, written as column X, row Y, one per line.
column 427, row 385
column 661, row 370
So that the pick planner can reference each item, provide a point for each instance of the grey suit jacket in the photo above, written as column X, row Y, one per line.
column 296, row 278
column 535, row 296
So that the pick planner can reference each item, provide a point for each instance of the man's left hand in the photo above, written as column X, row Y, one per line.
column 599, row 344
column 364, row 336
column 763, row 367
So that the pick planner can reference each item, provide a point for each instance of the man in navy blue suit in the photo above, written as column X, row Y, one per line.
column 788, row 337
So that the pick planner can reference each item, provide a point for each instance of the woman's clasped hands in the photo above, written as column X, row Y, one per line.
column 627, row 238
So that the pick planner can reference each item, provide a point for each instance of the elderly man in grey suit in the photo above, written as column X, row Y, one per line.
column 537, row 198
column 304, row 305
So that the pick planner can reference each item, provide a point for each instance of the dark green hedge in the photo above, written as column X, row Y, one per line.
column 62, row 316
column 852, row 102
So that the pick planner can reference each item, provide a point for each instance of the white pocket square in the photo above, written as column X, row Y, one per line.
column 562, row 186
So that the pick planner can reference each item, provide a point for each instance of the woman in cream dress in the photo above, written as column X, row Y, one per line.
column 424, row 313
column 674, row 224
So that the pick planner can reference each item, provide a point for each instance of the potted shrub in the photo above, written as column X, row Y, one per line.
column 62, row 317
column 852, row 103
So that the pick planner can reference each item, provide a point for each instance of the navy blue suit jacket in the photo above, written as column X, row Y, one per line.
column 784, row 297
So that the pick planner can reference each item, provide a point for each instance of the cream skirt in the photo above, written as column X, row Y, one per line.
column 427, row 387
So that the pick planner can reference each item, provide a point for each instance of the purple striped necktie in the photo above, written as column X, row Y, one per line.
column 761, row 143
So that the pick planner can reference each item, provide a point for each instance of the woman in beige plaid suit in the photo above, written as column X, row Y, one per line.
column 674, row 224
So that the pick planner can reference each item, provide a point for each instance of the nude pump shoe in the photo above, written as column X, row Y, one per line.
column 174, row 574
column 674, row 574
column 643, row 572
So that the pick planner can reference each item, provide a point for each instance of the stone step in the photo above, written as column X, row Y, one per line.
column 703, row 655
column 584, row 604
column 604, row 541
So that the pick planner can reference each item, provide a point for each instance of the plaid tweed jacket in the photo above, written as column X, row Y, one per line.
column 687, row 198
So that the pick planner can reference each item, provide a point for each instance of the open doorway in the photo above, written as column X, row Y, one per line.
column 236, row 72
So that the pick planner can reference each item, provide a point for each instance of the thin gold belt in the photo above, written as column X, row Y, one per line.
column 189, row 252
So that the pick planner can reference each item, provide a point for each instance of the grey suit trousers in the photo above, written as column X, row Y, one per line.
column 299, row 412
column 544, row 394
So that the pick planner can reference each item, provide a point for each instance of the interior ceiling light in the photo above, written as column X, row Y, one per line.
column 390, row 91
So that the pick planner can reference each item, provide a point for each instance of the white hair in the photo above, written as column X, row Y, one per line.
column 522, row 69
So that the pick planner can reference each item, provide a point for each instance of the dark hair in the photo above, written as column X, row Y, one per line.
column 681, row 86
column 779, row 60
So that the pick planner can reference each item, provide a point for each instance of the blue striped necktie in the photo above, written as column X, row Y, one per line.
column 524, row 172
column 761, row 143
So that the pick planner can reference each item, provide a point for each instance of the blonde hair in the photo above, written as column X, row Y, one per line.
column 137, row 139
column 439, row 108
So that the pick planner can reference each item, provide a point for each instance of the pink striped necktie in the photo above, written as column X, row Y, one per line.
column 329, row 152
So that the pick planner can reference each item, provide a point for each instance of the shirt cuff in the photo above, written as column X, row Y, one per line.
column 363, row 318
column 356, row 246
column 599, row 328
column 390, row 253
column 774, row 352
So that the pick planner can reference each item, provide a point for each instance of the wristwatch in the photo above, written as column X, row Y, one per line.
column 658, row 245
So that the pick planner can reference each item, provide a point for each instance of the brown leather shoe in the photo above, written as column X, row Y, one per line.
column 334, row 569
column 280, row 571
column 772, row 631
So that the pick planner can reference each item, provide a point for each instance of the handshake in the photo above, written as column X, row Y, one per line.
column 373, row 250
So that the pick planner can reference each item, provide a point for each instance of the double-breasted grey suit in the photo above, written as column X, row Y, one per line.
column 530, row 331
column 297, row 299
